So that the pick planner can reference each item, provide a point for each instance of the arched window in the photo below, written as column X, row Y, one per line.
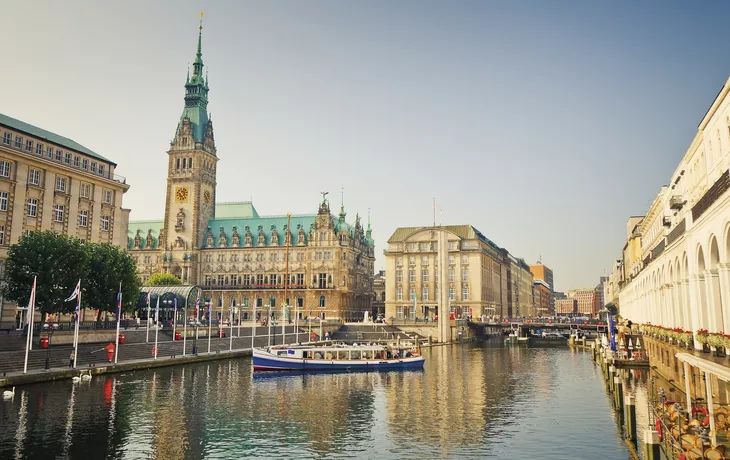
column 177, row 163
column 190, row 162
column 183, row 163
column 322, row 301
column 272, row 301
column 233, row 301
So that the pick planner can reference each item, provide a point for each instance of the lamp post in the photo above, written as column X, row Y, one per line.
column 50, row 329
column 195, row 323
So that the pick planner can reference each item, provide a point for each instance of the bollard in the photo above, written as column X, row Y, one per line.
column 610, row 377
column 630, row 417
column 651, row 445
column 618, row 395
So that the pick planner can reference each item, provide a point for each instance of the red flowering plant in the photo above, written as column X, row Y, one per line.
column 703, row 336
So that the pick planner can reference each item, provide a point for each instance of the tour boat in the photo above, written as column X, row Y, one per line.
column 336, row 357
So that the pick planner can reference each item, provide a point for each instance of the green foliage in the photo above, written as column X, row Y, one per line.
column 163, row 279
column 59, row 262
column 109, row 265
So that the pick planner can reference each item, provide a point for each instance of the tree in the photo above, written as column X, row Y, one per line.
column 163, row 279
column 57, row 261
column 109, row 266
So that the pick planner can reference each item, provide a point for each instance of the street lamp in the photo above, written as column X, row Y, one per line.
column 50, row 329
column 195, row 323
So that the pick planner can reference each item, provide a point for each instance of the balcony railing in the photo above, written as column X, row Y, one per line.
column 720, row 186
column 228, row 287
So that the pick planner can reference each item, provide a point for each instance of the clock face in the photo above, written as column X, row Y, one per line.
column 181, row 194
column 206, row 197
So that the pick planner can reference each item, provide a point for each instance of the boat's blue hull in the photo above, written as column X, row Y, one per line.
column 261, row 363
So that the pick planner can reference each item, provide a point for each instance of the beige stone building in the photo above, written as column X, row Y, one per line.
column 318, row 263
column 50, row 182
column 479, row 274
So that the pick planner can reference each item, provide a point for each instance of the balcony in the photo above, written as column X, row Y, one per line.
column 676, row 202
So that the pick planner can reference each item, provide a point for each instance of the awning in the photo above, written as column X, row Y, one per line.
column 166, row 294
column 718, row 370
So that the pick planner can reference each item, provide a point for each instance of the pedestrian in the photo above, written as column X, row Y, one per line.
column 628, row 324
column 71, row 358
column 110, row 351
column 137, row 319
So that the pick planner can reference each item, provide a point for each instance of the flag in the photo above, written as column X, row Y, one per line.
column 197, row 306
column 77, row 291
column 610, row 332
column 119, row 303
column 157, row 310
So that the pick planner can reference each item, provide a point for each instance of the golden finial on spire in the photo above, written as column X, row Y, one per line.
column 201, row 21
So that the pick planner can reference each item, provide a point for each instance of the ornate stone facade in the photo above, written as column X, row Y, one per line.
column 316, row 263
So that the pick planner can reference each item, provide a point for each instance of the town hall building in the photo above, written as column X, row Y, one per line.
column 317, row 264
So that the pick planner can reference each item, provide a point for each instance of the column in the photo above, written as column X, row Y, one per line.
column 694, row 304
column 712, row 301
column 723, row 272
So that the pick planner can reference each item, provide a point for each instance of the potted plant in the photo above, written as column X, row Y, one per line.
column 703, row 336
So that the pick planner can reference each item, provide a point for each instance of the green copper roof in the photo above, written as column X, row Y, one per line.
column 142, row 228
column 238, row 210
column 196, row 96
column 253, row 223
column 48, row 136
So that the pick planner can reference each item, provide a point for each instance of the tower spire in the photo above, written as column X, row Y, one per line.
column 198, row 63
column 369, row 231
column 342, row 203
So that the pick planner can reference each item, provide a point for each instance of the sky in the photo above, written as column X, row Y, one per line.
column 543, row 124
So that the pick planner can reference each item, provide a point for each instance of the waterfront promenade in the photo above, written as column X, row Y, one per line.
column 137, row 354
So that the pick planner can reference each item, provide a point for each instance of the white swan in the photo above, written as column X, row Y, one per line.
column 86, row 377
column 75, row 379
column 9, row 394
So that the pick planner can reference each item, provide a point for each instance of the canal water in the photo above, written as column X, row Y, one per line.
column 470, row 401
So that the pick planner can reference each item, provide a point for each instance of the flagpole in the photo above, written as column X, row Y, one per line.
column 230, row 344
column 174, row 318
column 29, row 339
column 253, row 324
column 119, row 315
column 78, row 320
column 268, row 321
column 185, row 325
column 157, row 320
column 147, row 336
column 283, row 324
column 210, row 323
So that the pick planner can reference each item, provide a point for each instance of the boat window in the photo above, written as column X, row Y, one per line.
column 355, row 355
column 317, row 355
column 281, row 353
column 328, row 355
column 308, row 354
column 365, row 355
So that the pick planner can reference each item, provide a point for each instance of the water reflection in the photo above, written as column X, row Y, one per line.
column 469, row 401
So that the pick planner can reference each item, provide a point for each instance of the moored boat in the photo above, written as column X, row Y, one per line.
column 336, row 357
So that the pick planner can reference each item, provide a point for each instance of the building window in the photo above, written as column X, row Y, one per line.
column 436, row 294
column 84, row 164
column 18, row 142
column 465, row 293
column 61, row 184
column 412, row 260
column 85, row 190
column 424, row 260
column 29, row 145
column 58, row 155
column 101, row 170
column 2, row 234
column 399, row 261
column 4, row 168
column 411, row 246
column 3, row 201
column 452, row 294
column 49, row 152
column 412, row 276
column 399, row 312
column 76, row 161
column 7, row 138
column 412, row 294
column 34, row 177
column 424, row 293
column 452, row 245
column 452, row 274
column 107, row 196
column 27, row 232
column 32, row 207
column 424, row 275
column 83, row 218
column 399, row 276
column 93, row 167
column 451, row 260
column 39, row 149
column 67, row 159
column 464, row 260
column 399, row 294
column 104, row 223
column 464, row 274
column 58, row 210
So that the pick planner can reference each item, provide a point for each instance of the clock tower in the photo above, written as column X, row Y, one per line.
column 191, row 182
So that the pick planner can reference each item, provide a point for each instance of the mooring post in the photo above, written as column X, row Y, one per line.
column 651, row 445
column 630, row 417
column 618, row 394
column 611, row 375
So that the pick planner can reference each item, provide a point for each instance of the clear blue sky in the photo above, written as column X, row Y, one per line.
column 543, row 124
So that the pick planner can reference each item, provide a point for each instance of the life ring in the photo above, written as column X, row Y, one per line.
column 695, row 410
column 154, row 351
column 658, row 427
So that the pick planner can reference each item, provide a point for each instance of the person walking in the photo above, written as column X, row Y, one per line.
column 110, row 351
column 71, row 358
